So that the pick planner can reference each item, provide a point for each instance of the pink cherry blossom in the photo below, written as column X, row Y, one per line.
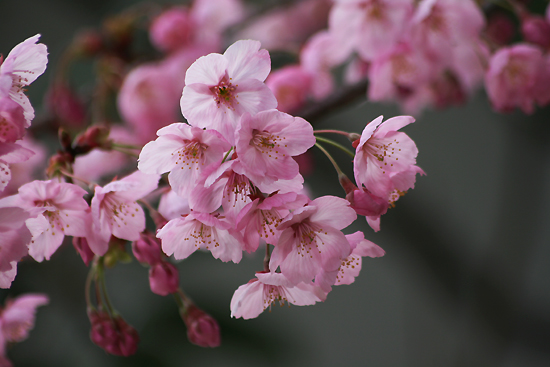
column 261, row 218
column 11, row 153
column 440, row 25
column 172, row 29
column 172, row 205
column 512, row 77
column 370, row 27
column 184, row 151
column 148, row 99
column 222, row 185
column 251, row 299
column 399, row 75
column 17, row 319
column 25, row 62
column 183, row 236
column 385, row 158
column 12, row 121
column 351, row 266
column 116, row 212
column 291, row 86
column 27, row 170
column 266, row 142
column 56, row 209
column 220, row 88
column 311, row 239
column 287, row 28
column 6, row 278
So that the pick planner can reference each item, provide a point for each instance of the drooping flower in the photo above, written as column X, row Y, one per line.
column 55, row 209
column 266, row 143
column 385, row 158
column 116, row 212
column 251, row 299
column 25, row 62
column 184, row 151
column 202, row 329
column 350, row 266
column 183, row 236
column 311, row 239
column 11, row 153
column 17, row 319
column 12, row 121
column 220, row 88
column 370, row 27
column 513, row 76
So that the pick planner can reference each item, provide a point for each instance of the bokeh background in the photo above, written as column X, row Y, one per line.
column 465, row 280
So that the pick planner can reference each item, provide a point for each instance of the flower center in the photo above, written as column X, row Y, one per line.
column 306, row 234
column 190, row 155
column 225, row 93
column 382, row 151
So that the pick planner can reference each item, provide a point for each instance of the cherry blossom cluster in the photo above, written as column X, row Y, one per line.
column 225, row 181
column 422, row 53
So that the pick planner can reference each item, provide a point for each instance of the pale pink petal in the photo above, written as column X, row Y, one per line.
column 19, row 314
column 208, row 70
column 6, row 278
column 247, row 61
column 333, row 211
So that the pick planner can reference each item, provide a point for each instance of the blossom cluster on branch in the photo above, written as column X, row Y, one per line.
column 227, row 180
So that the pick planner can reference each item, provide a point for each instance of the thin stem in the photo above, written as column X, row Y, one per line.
column 328, row 131
column 65, row 173
column 267, row 257
column 126, row 146
column 88, row 286
column 338, row 145
column 101, row 276
column 330, row 158
column 227, row 154
column 125, row 151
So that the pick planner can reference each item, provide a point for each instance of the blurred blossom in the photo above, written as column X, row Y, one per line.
column 512, row 77
column 288, row 28
column 113, row 334
column 163, row 278
column 63, row 102
column 91, row 167
column 536, row 30
column 148, row 99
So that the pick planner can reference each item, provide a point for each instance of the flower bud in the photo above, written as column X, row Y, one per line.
column 202, row 329
column 63, row 103
column 94, row 137
column 163, row 278
column 171, row 30
column 536, row 30
column 147, row 249
column 83, row 249
column 113, row 334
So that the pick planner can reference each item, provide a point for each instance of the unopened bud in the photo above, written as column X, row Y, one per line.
column 63, row 103
column 536, row 30
column 94, row 137
column 147, row 249
column 354, row 138
column 163, row 278
column 87, row 43
column 113, row 334
column 202, row 329
column 83, row 249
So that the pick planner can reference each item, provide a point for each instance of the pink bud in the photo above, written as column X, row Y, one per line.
column 171, row 30
column 63, row 103
column 536, row 30
column 202, row 329
column 147, row 249
column 163, row 278
column 113, row 334
column 367, row 204
column 81, row 246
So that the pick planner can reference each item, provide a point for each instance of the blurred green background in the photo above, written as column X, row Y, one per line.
column 465, row 280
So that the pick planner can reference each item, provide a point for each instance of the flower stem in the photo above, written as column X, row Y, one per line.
column 267, row 257
column 328, row 131
column 338, row 145
column 338, row 170
column 227, row 154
